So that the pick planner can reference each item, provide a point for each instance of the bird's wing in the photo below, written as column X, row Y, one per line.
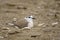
column 21, row 24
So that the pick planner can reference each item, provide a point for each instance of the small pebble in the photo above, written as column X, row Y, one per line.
column 41, row 24
column 5, row 28
column 54, row 23
column 14, row 19
column 1, row 37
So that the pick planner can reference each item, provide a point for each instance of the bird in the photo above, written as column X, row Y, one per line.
column 27, row 22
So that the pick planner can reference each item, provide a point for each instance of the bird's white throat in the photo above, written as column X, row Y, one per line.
column 30, row 24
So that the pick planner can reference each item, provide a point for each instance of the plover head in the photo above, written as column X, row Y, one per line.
column 29, row 18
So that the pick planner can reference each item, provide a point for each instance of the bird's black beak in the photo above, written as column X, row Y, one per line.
column 33, row 18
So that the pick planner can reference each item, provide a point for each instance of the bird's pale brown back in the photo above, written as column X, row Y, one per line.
column 21, row 23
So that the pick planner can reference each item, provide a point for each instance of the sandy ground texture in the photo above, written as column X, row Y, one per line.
column 46, row 24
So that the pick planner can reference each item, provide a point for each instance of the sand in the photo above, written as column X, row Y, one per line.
column 46, row 24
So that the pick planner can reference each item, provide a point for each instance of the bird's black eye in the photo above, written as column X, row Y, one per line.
column 29, row 17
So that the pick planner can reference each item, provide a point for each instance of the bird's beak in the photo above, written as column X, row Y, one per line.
column 33, row 18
